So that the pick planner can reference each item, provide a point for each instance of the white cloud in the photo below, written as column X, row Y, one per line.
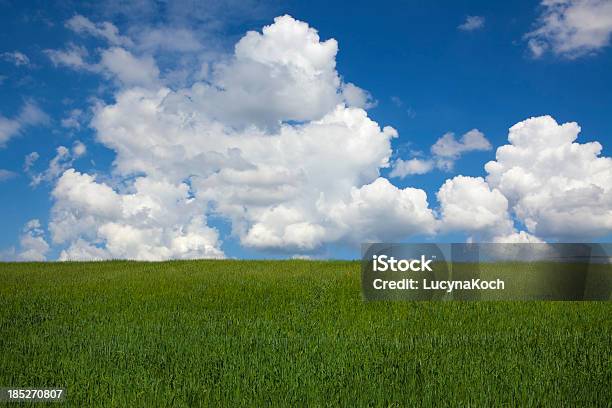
column 30, row 115
column 16, row 57
column 447, row 149
column 105, row 30
column 558, row 188
column 115, row 62
column 6, row 175
column 571, row 28
column 270, row 142
column 29, row 161
column 472, row 23
column 73, row 120
column 536, row 48
column 445, row 152
column 73, row 57
column 276, row 188
column 78, row 149
column 468, row 204
column 284, row 73
column 8, row 129
column 62, row 161
column 156, row 220
column 128, row 69
column 267, row 142
column 168, row 39
column 521, row 237
column 357, row 97
column 404, row 168
column 379, row 211
column 33, row 246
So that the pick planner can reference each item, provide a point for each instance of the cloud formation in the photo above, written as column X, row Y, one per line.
column 72, row 57
column 73, row 120
column 154, row 220
column 404, row 168
column 448, row 149
column 444, row 153
column 16, row 57
column 571, row 28
column 470, row 205
column 558, row 188
column 63, row 160
column 275, row 141
column 104, row 30
column 128, row 69
column 30, row 115
column 33, row 246
column 115, row 62
column 472, row 23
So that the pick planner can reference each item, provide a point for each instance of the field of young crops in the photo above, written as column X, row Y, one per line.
column 291, row 333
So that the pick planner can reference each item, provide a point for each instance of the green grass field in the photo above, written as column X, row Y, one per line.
column 290, row 333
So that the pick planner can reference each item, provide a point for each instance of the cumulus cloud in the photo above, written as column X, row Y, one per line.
column 78, row 149
column 447, row 149
column 267, row 69
column 73, row 56
column 557, row 188
column 379, row 211
column 404, row 168
column 445, row 152
column 115, row 62
column 472, row 23
column 104, row 30
column 469, row 204
column 128, row 69
column 33, row 246
column 16, row 57
column 73, row 120
column 517, row 237
column 63, row 160
column 155, row 220
column 30, row 115
column 283, row 73
column 274, row 141
column 357, row 97
column 571, row 28
column 29, row 161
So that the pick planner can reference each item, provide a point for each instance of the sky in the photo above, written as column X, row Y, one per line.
column 235, row 129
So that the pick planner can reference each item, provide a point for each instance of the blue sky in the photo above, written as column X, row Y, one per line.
column 417, row 70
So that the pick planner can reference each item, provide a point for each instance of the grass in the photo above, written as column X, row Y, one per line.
column 289, row 333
